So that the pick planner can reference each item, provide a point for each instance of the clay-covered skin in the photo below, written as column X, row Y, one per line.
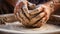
column 29, row 18
column 35, row 17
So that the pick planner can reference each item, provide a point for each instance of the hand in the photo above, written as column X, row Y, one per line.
column 32, row 18
column 22, row 13
column 43, row 12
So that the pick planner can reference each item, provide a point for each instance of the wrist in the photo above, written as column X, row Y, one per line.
column 54, row 4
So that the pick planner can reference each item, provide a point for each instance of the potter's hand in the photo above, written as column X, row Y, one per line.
column 21, row 12
column 41, row 14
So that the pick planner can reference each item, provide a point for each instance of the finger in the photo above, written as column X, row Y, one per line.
column 18, row 6
column 37, row 18
column 23, row 16
column 18, row 15
column 25, row 10
column 35, row 11
column 40, row 22
column 31, row 6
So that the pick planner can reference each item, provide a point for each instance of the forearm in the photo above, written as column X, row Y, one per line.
column 56, row 4
column 53, row 4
